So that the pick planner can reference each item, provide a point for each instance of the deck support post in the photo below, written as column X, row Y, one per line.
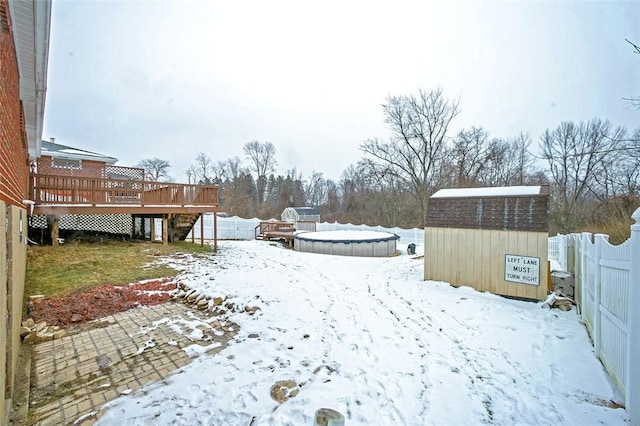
column 153, row 228
column 53, row 223
column 201, row 229
column 165, row 230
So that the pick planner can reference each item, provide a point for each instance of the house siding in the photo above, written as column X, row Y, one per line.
column 14, row 178
column 14, row 159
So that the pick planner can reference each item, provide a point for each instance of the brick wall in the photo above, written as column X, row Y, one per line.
column 14, row 178
column 14, row 164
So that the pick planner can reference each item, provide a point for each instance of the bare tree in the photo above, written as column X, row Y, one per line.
column 419, row 126
column 480, row 160
column 620, row 175
column 522, row 162
column 203, row 168
column 263, row 162
column 355, row 189
column 330, row 212
column 315, row 190
column 629, row 177
column 634, row 101
column 238, row 195
column 229, row 169
column 192, row 174
column 577, row 154
column 469, row 150
column 155, row 169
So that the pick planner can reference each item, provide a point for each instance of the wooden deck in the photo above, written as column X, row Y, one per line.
column 54, row 195
column 275, row 230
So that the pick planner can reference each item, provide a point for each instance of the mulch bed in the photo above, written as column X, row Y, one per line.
column 100, row 302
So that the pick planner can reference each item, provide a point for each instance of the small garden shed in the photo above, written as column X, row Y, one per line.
column 300, row 214
column 491, row 239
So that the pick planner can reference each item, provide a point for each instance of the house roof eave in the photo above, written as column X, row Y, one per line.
column 31, row 24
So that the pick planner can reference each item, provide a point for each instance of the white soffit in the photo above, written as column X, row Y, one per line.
column 31, row 20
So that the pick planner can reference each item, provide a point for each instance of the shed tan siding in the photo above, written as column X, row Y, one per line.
column 476, row 258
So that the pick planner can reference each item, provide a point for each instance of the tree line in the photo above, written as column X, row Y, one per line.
column 592, row 167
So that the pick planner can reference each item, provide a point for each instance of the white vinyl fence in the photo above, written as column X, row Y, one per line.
column 557, row 251
column 237, row 228
column 607, row 280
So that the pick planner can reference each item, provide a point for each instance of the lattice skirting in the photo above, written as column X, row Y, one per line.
column 111, row 223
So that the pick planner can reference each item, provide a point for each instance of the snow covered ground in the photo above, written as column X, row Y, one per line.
column 369, row 338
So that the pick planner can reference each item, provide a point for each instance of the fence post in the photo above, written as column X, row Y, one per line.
column 585, row 237
column 562, row 251
column 235, row 227
column 574, row 269
column 632, row 397
column 597, row 282
column 571, row 253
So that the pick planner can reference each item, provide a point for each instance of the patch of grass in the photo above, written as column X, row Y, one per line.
column 75, row 267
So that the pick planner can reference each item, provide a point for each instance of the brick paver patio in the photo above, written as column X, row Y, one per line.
column 73, row 377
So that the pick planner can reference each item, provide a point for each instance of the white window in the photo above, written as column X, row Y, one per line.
column 62, row 163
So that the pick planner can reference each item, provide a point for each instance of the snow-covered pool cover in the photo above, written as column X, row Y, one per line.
column 501, row 191
column 347, row 236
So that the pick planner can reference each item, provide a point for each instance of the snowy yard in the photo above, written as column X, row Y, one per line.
column 370, row 338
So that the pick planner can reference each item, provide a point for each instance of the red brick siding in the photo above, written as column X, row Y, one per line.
column 14, row 160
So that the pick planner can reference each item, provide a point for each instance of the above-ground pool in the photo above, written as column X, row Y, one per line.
column 347, row 243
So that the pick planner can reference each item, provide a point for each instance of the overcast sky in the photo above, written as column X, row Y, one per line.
column 170, row 79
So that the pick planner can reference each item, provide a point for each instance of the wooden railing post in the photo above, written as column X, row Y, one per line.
column 632, row 397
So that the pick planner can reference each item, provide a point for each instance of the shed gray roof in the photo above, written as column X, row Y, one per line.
column 57, row 150
column 306, row 211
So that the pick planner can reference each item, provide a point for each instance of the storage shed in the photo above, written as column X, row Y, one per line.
column 491, row 239
column 300, row 214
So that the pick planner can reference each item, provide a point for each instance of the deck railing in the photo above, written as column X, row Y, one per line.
column 52, row 189
column 274, row 229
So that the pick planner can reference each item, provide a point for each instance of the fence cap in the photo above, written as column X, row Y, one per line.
column 636, row 216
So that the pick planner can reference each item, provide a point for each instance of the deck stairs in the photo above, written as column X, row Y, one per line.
column 275, row 230
column 182, row 224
